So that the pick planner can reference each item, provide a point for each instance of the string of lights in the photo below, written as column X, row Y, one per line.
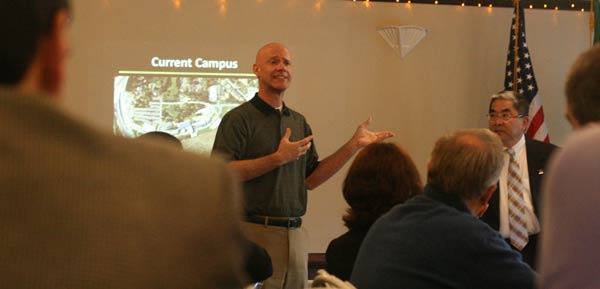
column 570, row 5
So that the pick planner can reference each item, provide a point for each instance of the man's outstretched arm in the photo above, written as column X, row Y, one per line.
column 333, row 163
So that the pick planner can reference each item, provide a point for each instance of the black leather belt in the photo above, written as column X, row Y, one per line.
column 292, row 222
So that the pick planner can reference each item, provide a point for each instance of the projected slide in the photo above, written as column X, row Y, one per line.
column 189, row 107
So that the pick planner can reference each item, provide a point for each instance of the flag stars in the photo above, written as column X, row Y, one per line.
column 519, row 76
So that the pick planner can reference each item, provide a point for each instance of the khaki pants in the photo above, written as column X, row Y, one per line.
column 288, row 251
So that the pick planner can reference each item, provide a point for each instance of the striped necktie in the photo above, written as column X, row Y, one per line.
column 517, row 210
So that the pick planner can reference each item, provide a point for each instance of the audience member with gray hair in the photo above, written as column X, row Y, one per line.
column 569, row 252
column 436, row 240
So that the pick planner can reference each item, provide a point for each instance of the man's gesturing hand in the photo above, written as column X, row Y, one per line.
column 363, row 136
column 290, row 151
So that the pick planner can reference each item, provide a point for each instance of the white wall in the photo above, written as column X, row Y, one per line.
column 344, row 71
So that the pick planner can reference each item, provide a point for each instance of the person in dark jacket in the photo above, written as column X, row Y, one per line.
column 257, row 262
column 382, row 176
column 435, row 240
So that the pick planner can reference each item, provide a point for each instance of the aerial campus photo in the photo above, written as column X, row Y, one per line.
column 188, row 107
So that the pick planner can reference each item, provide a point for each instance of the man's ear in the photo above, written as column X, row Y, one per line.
column 525, row 120
column 53, row 49
column 571, row 118
column 489, row 192
column 255, row 68
column 484, row 200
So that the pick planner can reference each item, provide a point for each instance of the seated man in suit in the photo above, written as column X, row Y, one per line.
column 84, row 209
column 522, row 172
column 569, row 245
column 435, row 240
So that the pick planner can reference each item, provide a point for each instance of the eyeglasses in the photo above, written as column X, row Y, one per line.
column 505, row 116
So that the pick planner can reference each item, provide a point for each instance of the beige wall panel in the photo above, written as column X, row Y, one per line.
column 344, row 71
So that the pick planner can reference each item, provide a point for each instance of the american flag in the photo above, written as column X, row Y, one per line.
column 524, row 77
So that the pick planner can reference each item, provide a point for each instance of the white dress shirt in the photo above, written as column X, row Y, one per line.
column 533, row 226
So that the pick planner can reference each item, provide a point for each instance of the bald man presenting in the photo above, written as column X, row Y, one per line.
column 271, row 147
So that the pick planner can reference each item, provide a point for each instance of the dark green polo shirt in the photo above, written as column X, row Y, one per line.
column 253, row 130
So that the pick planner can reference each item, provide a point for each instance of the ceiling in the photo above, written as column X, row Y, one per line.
column 574, row 5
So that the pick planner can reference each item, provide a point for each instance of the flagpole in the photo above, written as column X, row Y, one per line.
column 592, row 23
column 516, row 46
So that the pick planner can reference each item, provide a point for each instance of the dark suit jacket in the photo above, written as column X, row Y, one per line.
column 341, row 253
column 432, row 241
column 538, row 154
column 83, row 209
column 258, row 262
